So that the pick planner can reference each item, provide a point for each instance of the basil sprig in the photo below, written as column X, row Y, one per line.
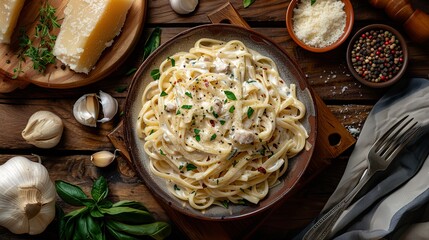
column 152, row 42
column 101, row 219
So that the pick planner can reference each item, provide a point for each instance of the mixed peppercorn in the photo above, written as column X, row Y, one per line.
column 377, row 55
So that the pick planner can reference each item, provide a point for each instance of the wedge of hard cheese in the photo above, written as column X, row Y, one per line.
column 9, row 12
column 89, row 27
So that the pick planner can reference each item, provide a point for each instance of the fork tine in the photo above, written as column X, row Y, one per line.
column 394, row 139
column 401, row 142
column 382, row 141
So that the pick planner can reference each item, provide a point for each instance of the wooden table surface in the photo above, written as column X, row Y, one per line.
column 327, row 73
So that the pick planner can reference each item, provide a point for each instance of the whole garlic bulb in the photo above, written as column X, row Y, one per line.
column 183, row 6
column 44, row 129
column 27, row 196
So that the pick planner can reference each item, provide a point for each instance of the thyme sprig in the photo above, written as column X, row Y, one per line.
column 39, row 48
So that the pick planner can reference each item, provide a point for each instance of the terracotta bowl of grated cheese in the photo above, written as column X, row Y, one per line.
column 319, row 25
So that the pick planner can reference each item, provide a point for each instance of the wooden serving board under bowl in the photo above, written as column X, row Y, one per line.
column 332, row 140
column 58, row 75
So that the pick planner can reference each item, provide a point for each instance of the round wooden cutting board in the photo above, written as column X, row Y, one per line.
column 58, row 75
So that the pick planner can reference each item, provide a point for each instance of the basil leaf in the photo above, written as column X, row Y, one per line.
column 173, row 62
column 157, row 230
column 105, row 204
column 231, row 109
column 99, row 189
column 128, row 215
column 81, row 231
column 120, row 235
column 230, row 95
column 155, row 74
column 93, row 227
column 152, row 42
column 96, row 213
column 131, row 204
column 247, row 3
column 75, row 213
column 250, row 112
column 70, row 193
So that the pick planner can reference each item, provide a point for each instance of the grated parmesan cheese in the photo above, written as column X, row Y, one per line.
column 321, row 24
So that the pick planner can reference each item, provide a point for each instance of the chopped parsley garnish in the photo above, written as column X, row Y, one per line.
column 213, row 137
column 222, row 122
column 155, row 74
column 251, row 81
column 178, row 112
column 250, row 112
column 151, row 132
column 197, row 131
column 190, row 167
column 231, row 109
column 198, row 138
column 173, row 62
column 197, row 134
column 161, row 152
column 186, row 106
column 188, row 94
column 225, row 203
column 176, row 188
column 163, row 94
column 230, row 95
column 215, row 114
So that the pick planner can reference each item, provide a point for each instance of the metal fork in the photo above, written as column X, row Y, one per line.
column 379, row 158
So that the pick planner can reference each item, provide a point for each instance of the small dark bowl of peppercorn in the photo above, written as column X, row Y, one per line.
column 377, row 55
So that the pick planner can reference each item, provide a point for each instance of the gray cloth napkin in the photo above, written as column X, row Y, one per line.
column 395, row 205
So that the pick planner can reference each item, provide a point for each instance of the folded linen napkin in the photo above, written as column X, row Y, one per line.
column 395, row 203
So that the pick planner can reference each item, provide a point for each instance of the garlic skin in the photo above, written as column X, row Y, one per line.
column 27, row 196
column 183, row 6
column 109, row 106
column 86, row 109
column 103, row 158
column 43, row 130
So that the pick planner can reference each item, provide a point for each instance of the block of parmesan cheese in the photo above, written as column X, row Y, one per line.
column 9, row 12
column 89, row 27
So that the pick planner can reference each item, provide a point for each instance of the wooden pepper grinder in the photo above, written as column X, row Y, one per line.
column 415, row 21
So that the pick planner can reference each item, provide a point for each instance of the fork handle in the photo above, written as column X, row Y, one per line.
column 323, row 226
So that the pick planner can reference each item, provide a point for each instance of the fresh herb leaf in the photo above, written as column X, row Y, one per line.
column 222, row 122
column 99, row 189
column 152, row 42
column 163, row 94
column 313, row 2
column 225, row 203
column 130, row 204
column 178, row 112
column 247, row 3
column 213, row 137
column 188, row 94
column 176, row 188
column 250, row 112
column 161, row 152
column 151, row 132
column 131, row 71
column 156, row 230
column 186, row 106
column 231, row 109
column 215, row 114
column 128, row 215
column 230, row 95
column 70, row 193
column 121, row 89
column 190, row 167
column 173, row 62
column 155, row 74
column 197, row 131
column 198, row 138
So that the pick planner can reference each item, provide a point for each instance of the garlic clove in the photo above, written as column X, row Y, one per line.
column 44, row 129
column 109, row 106
column 86, row 110
column 183, row 6
column 103, row 158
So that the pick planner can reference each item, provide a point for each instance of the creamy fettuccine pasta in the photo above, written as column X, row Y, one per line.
column 220, row 124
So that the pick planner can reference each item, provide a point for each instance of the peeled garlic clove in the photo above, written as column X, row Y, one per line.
column 44, row 129
column 86, row 110
column 183, row 6
column 102, row 158
column 109, row 106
